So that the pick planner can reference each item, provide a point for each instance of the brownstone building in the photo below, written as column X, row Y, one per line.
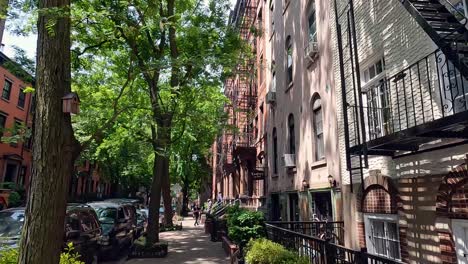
column 239, row 163
column 15, row 119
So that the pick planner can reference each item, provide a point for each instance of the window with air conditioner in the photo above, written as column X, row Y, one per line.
column 377, row 99
column 382, row 236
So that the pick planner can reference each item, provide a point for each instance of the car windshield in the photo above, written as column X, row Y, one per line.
column 106, row 228
column 11, row 223
column 106, row 215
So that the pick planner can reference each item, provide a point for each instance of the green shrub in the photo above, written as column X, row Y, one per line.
column 244, row 225
column 10, row 256
column 14, row 199
column 264, row 251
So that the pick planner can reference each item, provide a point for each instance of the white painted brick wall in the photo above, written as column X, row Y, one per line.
column 384, row 27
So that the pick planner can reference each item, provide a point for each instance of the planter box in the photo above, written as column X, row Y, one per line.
column 157, row 251
column 229, row 247
column 208, row 226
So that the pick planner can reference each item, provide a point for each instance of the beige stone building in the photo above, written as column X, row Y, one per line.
column 303, row 173
column 401, row 85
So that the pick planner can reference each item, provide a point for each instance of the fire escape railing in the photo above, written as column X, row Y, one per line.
column 425, row 91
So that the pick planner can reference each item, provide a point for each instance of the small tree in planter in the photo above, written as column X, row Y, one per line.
column 244, row 225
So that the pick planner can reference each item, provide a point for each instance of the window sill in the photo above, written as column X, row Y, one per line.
column 6, row 100
column 290, row 85
column 319, row 164
column 19, row 107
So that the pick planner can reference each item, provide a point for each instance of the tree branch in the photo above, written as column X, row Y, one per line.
column 97, row 135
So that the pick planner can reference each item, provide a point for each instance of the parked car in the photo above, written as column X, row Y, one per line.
column 134, row 202
column 81, row 228
column 142, row 222
column 118, row 223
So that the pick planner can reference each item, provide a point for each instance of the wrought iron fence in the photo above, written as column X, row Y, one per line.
column 321, row 251
column 332, row 231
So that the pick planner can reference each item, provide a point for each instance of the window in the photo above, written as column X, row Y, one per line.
column 21, row 98
column 22, row 175
column 289, row 61
column 275, row 151
column 382, row 235
column 312, row 23
column 318, row 129
column 272, row 17
column 28, row 143
column 378, row 99
column 6, row 90
column 292, row 139
column 273, row 82
column 260, row 69
column 3, row 119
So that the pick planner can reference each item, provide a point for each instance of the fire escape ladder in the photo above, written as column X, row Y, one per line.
column 352, row 102
column 446, row 26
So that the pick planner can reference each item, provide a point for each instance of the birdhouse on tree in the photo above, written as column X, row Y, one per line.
column 71, row 103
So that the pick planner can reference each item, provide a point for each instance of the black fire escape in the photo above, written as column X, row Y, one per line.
column 423, row 102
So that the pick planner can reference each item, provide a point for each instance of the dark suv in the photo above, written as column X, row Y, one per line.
column 118, row 223
column 81, row 228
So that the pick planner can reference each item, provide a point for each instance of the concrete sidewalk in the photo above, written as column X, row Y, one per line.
column 189, row 246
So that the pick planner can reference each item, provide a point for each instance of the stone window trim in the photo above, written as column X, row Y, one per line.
column 385, row 190
column 454, row 183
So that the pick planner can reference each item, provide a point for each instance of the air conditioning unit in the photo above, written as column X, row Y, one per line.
column 312, row 51
column 271, row 97
column 289, row 160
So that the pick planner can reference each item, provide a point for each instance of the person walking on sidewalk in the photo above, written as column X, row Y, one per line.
column 196, row 213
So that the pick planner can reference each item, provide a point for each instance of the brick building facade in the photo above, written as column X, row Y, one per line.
column 15, row 121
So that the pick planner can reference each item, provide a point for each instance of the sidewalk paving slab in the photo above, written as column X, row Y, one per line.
column 189, row 246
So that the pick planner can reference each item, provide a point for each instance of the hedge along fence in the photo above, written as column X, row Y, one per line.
column 244, row 225
column 264, row 251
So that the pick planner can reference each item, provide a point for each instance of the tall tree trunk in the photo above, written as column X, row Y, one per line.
column 166, row 192
column 185, row 201
column 155, row 200
column 55, row 147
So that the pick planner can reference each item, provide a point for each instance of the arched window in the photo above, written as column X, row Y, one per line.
column 275, row 151
column 289, row 61
column 292, row 138
column 318, row 129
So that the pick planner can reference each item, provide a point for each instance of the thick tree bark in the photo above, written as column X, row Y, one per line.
column 166, row 192
column 185, row 201
column 155, row 200
column 55, row 147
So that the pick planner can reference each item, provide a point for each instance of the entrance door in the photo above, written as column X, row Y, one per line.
column 10, row 172
column 460, row 236
column 322, row 206
column 293, row 207
column 275, row 208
